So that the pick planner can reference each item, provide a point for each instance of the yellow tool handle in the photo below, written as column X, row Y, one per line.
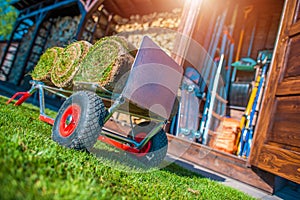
column 245, row 119
column 247, row 10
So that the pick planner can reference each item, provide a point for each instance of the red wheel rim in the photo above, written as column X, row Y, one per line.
column 69, row 120
column 139, row 137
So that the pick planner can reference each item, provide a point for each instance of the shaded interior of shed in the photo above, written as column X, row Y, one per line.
column 259, row 19
column 264, row 16
column 254, row 28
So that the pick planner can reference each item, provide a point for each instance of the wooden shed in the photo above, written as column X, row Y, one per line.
column 251, row 25
column 43, row 24
column 276, row 145
column 266, row 24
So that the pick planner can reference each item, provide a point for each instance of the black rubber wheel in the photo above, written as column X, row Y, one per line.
column 154, row 152
column 79, row 121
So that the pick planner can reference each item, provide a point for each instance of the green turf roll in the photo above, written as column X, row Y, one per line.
column 107, row 63
column 42, row 70
column 68, row 64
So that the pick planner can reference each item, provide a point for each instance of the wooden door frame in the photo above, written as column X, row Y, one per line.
column 275, row 86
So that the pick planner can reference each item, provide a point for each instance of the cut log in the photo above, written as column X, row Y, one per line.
column 225, row 137
column 161, row 27
column 63, row 31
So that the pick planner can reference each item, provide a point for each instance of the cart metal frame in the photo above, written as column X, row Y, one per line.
column 150, row 58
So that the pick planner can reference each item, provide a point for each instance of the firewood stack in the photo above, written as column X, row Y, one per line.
column 89, row 26
column 161, row 27
column 224, row 138
column 21, row 56
column 63, row 31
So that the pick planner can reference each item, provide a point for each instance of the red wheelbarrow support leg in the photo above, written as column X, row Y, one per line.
column 25, row 95
column 46, row 119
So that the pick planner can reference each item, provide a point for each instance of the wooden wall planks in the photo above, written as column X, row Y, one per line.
column 126, row 8
column 297, row 17
column 293, row 58
column 281, row 161
column 220, row 162
column 291, row 87
column 277, row 141
column 285, row 127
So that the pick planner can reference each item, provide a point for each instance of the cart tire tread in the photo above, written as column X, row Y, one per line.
column 89, row 125
column 159, row 145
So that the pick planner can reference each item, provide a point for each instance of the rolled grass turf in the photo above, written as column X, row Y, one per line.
column 42, row 71
column 107, row 63
column 68, row 64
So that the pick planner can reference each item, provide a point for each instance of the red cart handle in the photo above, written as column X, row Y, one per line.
column 24, row 97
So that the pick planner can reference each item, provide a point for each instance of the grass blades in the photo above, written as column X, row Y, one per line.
column 35, row 167
column 104, row 62
column 43, row 68
column 65, row 69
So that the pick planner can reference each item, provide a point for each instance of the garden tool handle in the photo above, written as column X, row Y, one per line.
column 247, row 10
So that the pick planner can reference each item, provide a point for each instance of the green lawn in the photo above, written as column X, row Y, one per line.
column 32, row 166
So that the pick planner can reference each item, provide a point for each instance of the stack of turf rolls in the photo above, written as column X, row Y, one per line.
column 106, row 63
column 65, row 69
column 42, row 71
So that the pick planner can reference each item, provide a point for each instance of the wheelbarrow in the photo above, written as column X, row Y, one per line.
column 150, row 92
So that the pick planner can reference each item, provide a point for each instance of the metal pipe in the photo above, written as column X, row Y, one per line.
column 178, row 118
column 213, row 96
column 209, row 65
column 251, row 40
column 154, row 131
column 120, row 137
column 56, row 93
column 137, row 145
column 57, row 89
column 41, row 99
column 119, row 101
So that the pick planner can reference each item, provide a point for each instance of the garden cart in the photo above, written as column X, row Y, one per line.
column 150, row 92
